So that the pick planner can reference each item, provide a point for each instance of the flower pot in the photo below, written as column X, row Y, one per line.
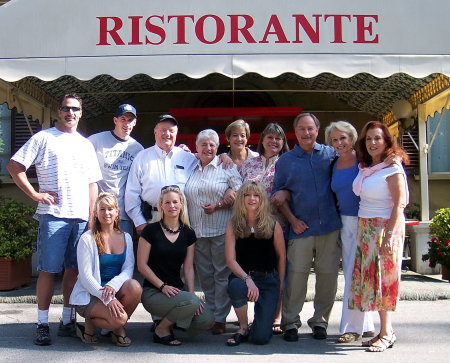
column 14, row 274
column 445, row 273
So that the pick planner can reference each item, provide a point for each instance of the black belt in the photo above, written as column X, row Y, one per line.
column 260, row 274
column 147, row 210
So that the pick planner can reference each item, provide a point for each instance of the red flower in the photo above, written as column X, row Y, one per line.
column 447, row 243
column 434, row 239
column 440, row 253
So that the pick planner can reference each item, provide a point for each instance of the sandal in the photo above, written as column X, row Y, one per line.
column 167, row 340
column 276, row 329
column 81, row 333
column 348, row 338
column 384, row 343
column 369, row 343
column 120, row 340
column 237, row 339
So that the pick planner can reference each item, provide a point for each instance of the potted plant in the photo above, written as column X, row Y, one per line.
column 18, row 233
column 439, row 246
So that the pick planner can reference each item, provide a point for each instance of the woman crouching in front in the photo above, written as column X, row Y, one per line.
column 256, row 255
column 165, row 246
column 105, row 293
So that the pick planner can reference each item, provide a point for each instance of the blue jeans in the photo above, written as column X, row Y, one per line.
column 265, row 306
column 57, row 242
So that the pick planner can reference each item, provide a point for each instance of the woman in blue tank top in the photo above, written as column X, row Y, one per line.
column 342, row 136
column 255, row 253
column 105, row 293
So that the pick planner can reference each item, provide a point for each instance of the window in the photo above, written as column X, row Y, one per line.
column 5, row 137
column 14, row 132
column 439, row 154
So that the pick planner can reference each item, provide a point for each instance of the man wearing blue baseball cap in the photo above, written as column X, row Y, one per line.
column 116, row 150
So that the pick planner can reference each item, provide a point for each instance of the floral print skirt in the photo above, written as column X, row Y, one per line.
column 376, row 277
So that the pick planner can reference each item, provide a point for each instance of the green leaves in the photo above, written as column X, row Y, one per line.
column 18, row 229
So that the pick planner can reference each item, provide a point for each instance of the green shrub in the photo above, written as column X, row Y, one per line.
column 18, row 229
column 439, row 246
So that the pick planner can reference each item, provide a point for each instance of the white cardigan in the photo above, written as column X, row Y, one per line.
column 89, row 281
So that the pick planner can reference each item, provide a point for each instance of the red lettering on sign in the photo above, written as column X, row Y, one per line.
column 155, row 29
column 200, row 29
column 337, row 26
column 135, row 31
column 277, row 30
column 312, row 33
column 104, row 31
column 181, row 27
column 362, row 27
column 235, row 29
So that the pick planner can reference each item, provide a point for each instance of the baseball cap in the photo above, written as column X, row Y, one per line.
column 166, row 117
column 122, row 109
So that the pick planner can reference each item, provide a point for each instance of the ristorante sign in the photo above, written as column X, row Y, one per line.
column 238, row 29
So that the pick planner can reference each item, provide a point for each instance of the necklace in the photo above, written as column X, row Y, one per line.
column 180, row 227
column 252, row 230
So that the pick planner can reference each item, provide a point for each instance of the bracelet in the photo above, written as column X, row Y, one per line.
column 219, row 204
column 390, row 232
column 162, row 286
column 246, row 277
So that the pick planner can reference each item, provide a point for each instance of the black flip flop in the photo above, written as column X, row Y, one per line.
column 238, row 339
column 167, row 340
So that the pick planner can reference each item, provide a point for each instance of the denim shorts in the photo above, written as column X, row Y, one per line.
column 57, row 242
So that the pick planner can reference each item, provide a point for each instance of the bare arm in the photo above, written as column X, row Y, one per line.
column 397, row 188
column 17, row 172
column 297, row 225
column 93, row 194
column 188, row 268
column 236, row 269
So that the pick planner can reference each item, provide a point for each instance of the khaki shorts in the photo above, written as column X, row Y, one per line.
column 85, row 310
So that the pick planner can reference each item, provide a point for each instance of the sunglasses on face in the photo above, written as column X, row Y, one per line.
column 70, row 108
column 170, row 186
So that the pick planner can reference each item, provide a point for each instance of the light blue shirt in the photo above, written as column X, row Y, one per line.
column 308, row 178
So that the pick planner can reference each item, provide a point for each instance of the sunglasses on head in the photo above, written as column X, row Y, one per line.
column 170, row 186
column 70, row 108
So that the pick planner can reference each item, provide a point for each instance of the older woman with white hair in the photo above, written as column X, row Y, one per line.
column 342, row 136
column 209, row 214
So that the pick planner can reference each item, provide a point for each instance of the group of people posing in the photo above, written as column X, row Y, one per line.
column 250, row 224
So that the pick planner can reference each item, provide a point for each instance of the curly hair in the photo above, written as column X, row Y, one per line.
column 184, row 216
column 265, row 222
column 110, row 200
column 391, row 144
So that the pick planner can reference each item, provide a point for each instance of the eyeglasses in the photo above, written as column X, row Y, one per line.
column 170, row 186
column 70, row 108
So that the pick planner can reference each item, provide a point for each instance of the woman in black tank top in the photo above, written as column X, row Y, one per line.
column 256, row 255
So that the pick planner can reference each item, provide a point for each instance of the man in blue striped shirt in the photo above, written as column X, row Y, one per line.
column 314, row 225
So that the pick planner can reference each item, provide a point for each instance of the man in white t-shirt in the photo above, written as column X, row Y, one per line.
column 67, row 172
column 116, row 150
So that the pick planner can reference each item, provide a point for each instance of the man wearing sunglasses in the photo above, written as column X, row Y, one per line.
column 67, row 171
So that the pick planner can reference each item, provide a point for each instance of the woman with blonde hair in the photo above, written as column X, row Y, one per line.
column 342, row 136
column 105, row 293
column 237, row 134
column 256, row 255
column 165, row 246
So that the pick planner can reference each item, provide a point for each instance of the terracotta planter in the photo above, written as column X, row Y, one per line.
column 14, row 274
column 445, row 273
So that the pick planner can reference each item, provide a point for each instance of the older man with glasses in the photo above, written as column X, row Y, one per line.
column 67, row 171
